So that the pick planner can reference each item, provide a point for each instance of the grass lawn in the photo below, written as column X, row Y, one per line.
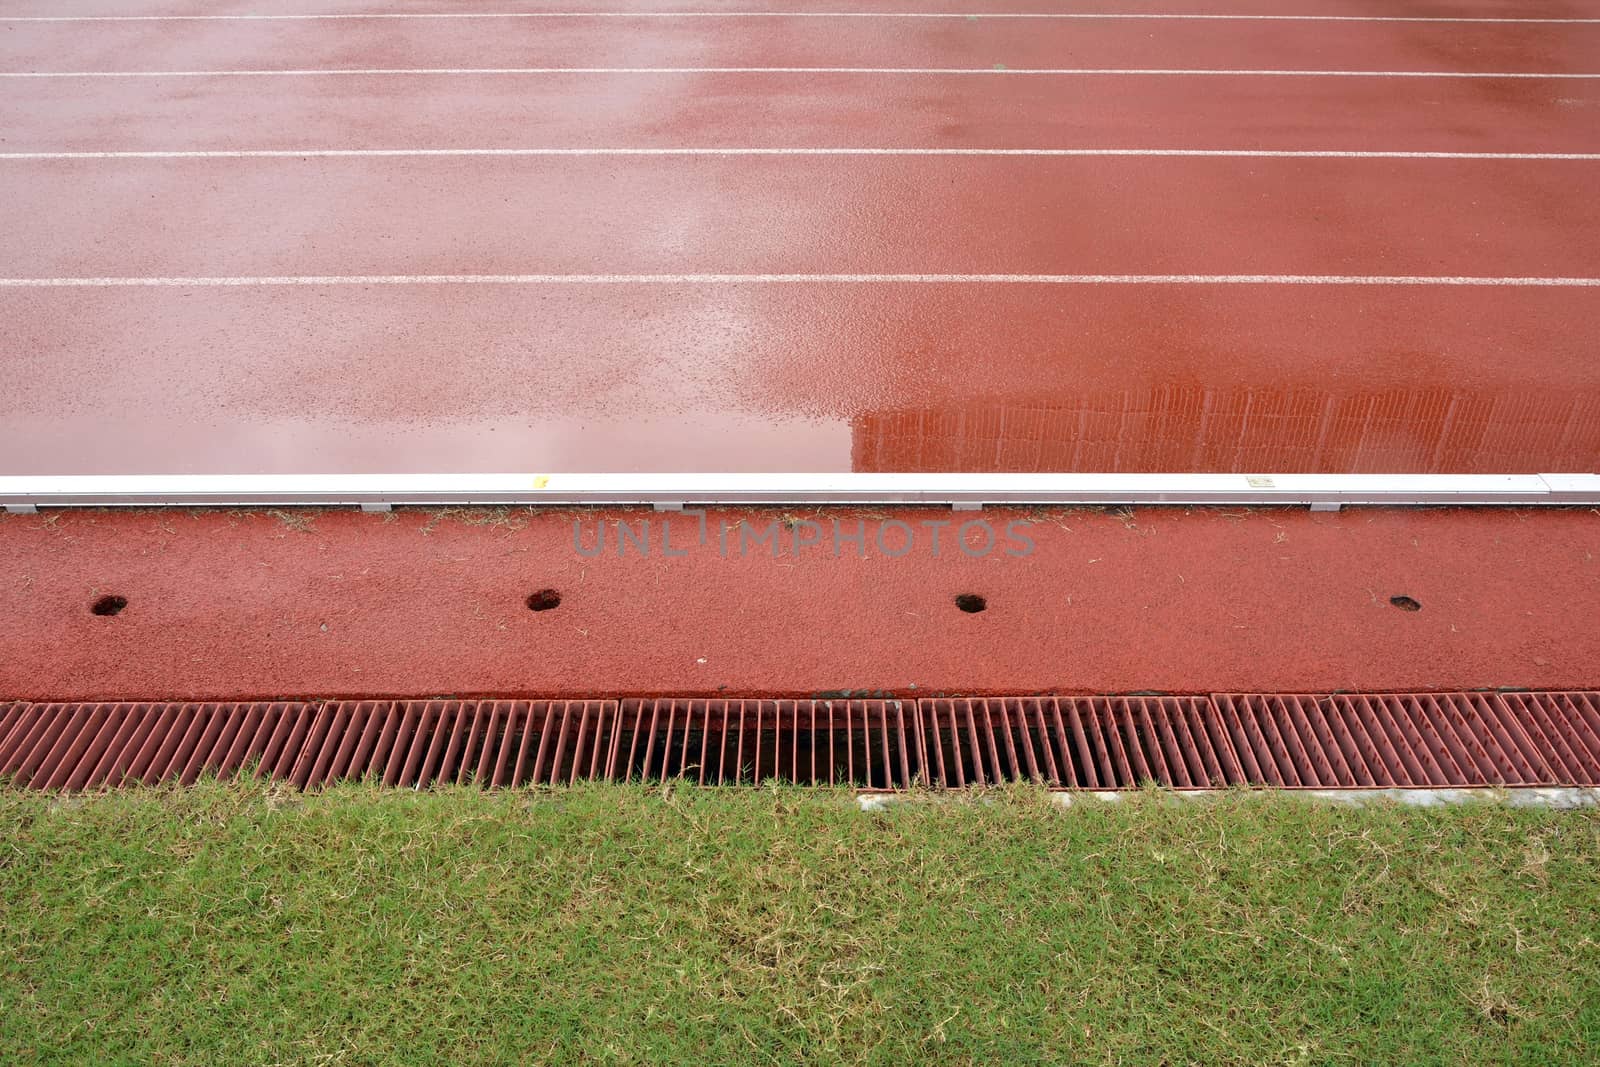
column 232, row 924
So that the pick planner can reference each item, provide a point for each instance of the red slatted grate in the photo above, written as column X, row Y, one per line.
column 1286, row 741
column 1564, row 728
column 1077, row 742
column 87, row 746
column 419, row 744
column 870, row 744
column 1409, row 740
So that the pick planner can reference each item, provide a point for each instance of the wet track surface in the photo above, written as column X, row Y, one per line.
column 613, row 253
column 835, row 309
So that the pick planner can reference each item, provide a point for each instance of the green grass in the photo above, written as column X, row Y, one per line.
column 234, row 925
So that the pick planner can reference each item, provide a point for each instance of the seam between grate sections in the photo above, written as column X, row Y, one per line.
column 1290, row 741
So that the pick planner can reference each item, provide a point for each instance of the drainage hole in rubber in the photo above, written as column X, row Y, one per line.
column 544, row 600
column 109, row 605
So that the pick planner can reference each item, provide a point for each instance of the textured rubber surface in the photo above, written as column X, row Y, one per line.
column 255, row 605
column 1292, row 741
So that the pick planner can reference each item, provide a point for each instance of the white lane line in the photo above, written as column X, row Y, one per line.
column 1205, row 153
column 797, row 279
column 964, row 16
column 998, row 71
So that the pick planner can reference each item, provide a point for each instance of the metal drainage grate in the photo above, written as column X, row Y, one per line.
column 486, row 742
column 870, row 744
column 493, row 743
column 1077, row 742
column 1564, row 729
column 86, row 746
column 1292, row 741
column 1409, row 740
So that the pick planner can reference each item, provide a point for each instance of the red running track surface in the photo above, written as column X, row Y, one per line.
column 866, row 374
column 800, row 42
column 269, row 605
column 873, row 373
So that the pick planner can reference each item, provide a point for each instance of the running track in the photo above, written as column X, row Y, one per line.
column 324, row 236
column 785, row 210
